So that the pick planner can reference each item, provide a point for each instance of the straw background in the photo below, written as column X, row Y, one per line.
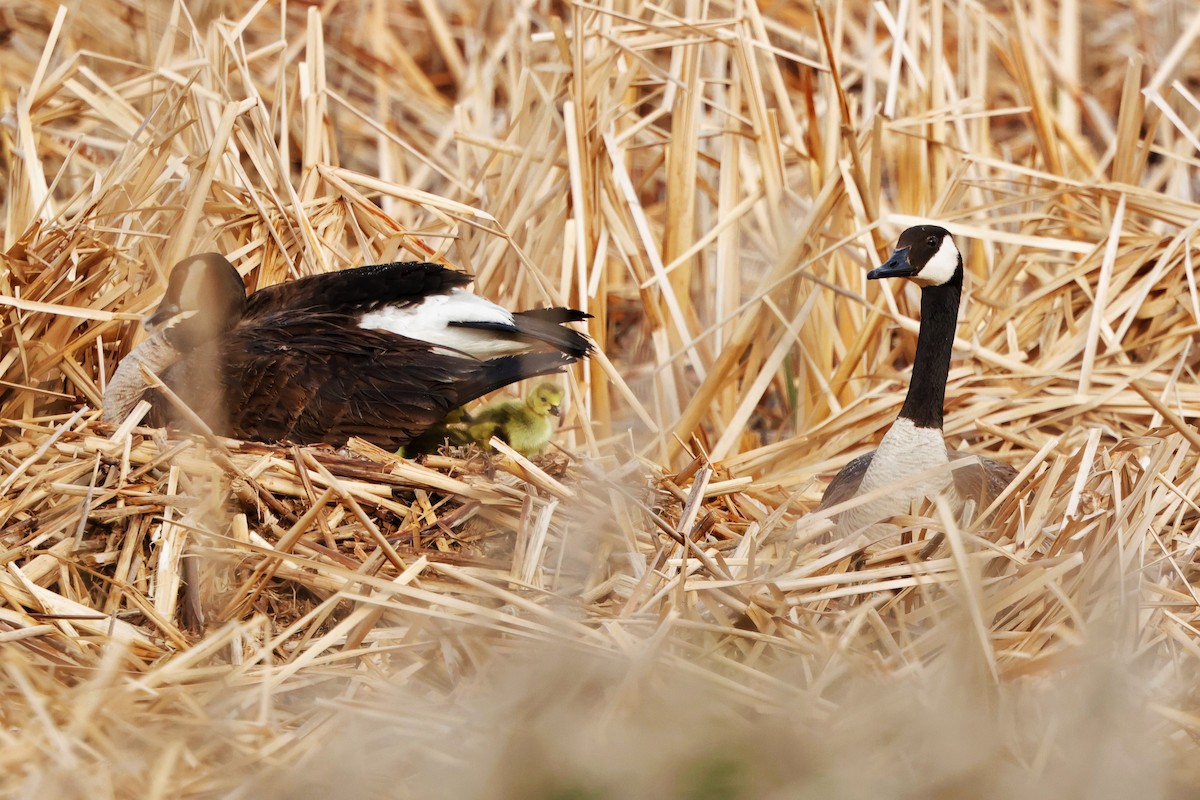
column 650, row 610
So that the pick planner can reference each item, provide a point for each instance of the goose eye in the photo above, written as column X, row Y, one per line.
column 932, row 242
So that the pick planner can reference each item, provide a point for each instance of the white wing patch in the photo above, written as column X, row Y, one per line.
column 430, row 321
column 941, row 267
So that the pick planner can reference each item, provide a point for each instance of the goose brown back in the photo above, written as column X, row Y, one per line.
column 310, row 361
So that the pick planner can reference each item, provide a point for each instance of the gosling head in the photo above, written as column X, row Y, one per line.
column 926, row 254
column 545, row 399
column 205, row 298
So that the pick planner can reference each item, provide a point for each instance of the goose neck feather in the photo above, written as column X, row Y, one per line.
column 931, row 367
column 126, row 385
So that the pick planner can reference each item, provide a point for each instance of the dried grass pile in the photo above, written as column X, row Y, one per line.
column 650, row 611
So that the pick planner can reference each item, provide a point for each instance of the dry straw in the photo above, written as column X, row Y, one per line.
column 710, row 180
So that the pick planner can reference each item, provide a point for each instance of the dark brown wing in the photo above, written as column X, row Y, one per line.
column 318, row 377
column 845, row 484
column 982, row 482
column 365, row 289
column 357, row 291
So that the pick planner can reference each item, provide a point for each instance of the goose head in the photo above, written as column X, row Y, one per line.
column 545, row 399
column 926, row 254
column 204, row 299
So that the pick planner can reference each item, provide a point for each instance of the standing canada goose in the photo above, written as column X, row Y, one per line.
column 380, row 352
column 523, row 426
column 914, row 444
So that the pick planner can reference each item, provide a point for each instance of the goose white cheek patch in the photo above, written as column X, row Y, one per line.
column 940, row 268
column 170, row 322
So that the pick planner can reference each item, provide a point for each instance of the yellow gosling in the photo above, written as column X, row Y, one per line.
column 523, row 426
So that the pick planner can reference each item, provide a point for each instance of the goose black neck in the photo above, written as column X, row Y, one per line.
column 931, row 367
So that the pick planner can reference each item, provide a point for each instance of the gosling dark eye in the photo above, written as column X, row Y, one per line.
column 932, row 242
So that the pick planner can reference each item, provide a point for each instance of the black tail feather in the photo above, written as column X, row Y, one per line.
column 557, row 315
column 546, row 324
column 543, row 325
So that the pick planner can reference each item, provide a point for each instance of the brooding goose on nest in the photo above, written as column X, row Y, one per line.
column 381, row 352
column 914, row 444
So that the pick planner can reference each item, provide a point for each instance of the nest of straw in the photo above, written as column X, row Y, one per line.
column 709, row 182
